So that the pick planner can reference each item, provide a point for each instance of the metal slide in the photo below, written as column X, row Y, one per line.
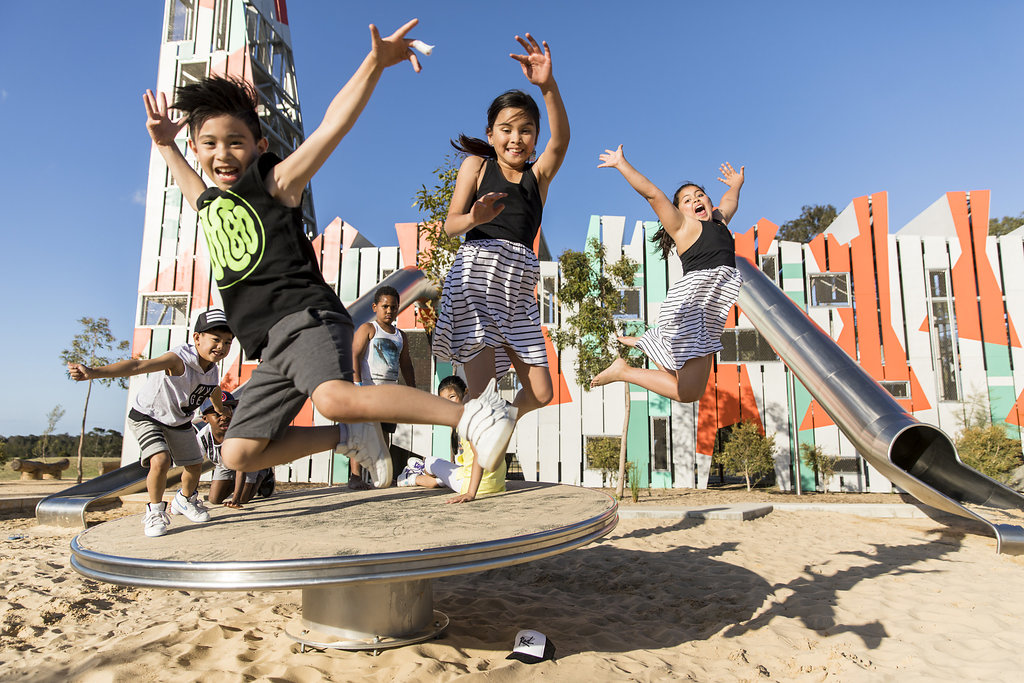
column 918, row 458
column 67, row 508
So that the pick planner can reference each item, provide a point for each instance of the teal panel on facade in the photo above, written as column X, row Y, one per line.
column 1000, row 401
column 803, row 402
column 657, row 271
column 661, row 479
column 593, row 230
column 638, row 441
column 658, row 406
column 348, row 288
column 798, row 299
column 339, row 473
column 160, row 343
column 997, row 361
column 441, row 445
column 793, row 271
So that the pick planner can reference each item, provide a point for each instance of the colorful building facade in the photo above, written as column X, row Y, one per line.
column 927, row 310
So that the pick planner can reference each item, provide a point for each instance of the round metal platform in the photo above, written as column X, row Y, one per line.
column 363, row 559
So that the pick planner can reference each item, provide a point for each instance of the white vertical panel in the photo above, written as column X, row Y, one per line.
column 526, row 447
column 775, row 414
column 388, row 260
column 369, row 274
column 611, row 236
column 684, row 444
column 570, row 424
column 634, row 249
column 547, row 442
column 913, row 288
column 1012, row 265
column 322, row 467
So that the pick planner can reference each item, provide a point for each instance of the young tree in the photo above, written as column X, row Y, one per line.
column 52, row 418
column 593, row 291
column 821, row 463
column 92, row 347
column 813, row 220
column 749, row 452
column 989, row 450
column 435, row 259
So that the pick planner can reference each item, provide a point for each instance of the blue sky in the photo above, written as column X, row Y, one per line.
column 822, row 102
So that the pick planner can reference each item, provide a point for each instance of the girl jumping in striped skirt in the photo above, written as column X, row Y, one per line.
column 694, row 313
column 489, row 317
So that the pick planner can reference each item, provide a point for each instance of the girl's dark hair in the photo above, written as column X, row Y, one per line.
column 662, row 238
column 216, row 96
column 516, row 99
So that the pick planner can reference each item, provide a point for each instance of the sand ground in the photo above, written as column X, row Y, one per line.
column 794, row 596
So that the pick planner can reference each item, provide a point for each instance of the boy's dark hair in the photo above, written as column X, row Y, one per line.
column 511, row 98
column 383, row 292
column 216, row 96
column 662, row 238
column 453, row 382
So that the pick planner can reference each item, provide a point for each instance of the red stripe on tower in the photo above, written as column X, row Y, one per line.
column 281, row 10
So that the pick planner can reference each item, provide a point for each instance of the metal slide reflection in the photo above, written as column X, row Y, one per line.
column 917, row 457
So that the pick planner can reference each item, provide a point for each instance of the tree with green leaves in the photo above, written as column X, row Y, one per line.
column 437, row 257
column 52, row 418
column 1004, row 225
column 592, row 291
column 987, row 448
column 94, row 346
column 821, row 463
column 813, row 220
column 748, row 452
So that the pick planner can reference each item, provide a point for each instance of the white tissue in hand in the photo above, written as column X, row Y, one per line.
column 422, row 47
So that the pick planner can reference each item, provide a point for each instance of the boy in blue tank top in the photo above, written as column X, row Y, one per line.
column 275, row 297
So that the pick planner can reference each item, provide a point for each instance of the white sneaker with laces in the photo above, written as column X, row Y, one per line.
column 156, row 520
column 191, row 507
column 487, row 421
column 366, row 445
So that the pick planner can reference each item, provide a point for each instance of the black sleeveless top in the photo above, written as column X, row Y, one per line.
column 264, row 264
column 520, row 219
column 714, row 247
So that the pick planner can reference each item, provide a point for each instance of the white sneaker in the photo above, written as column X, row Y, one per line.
column 407, row 477
column 487, row 421
column 191, row 507
column 156, row 520
column 366, row 445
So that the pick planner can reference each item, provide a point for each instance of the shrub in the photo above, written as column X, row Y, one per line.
column 989, row 450
column 823, row 464
column 748, row 452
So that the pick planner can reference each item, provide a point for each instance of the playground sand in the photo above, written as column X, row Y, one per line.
column 794, row 596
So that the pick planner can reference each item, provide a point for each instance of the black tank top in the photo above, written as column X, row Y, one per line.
column 520, row 219
column 714, row 247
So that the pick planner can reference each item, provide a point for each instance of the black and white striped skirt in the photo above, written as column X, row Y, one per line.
column 692, row 317
column 489, row 301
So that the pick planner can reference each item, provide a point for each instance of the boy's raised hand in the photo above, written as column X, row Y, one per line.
column 611, row 159
column 536, row 63
column 161, row 127
column 395, row 48
column 729, row 176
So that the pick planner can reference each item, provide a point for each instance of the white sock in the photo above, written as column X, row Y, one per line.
column 157, row 506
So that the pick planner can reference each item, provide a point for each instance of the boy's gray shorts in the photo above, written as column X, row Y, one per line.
column 154, row 438
column 304, row 350
column 221, row 473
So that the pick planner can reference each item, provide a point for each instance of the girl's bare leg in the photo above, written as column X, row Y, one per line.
column 685, row 385
column 479, row 371
column 537, row 391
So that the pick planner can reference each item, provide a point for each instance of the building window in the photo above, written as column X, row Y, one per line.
column 943, row 335
column 549, row 301
column 632, row 304
column 897, row 389
column 659, row 442
column 181, row 20
column 830, row 289
column 602, row 452
column 221, row 13
column 163, row 309
column 745, row 346
column 385, row 273
column 770, row 267
column 509, row 386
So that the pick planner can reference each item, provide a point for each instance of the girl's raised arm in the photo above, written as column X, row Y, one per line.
column 731, row 199
column 664, row 209
column 536, row 65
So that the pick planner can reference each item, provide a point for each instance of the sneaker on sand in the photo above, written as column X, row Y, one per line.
column 266, row 487
column 408, row 477
column 366, row 445
column 416, row 465
column 156, row 520
column 191, row 507
column 487, row 421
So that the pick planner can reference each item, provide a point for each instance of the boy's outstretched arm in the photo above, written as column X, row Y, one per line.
column 731, row 199
column 169, row 362
column 664, row 209
column 291, row 176
column 536, row 65
column 163, row 129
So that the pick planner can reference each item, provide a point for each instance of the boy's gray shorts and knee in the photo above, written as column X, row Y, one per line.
column 153, row 437
column 304, row 350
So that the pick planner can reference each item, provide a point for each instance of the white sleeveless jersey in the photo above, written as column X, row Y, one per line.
column 380, row 363
column 171, row 400
column 209, row 447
